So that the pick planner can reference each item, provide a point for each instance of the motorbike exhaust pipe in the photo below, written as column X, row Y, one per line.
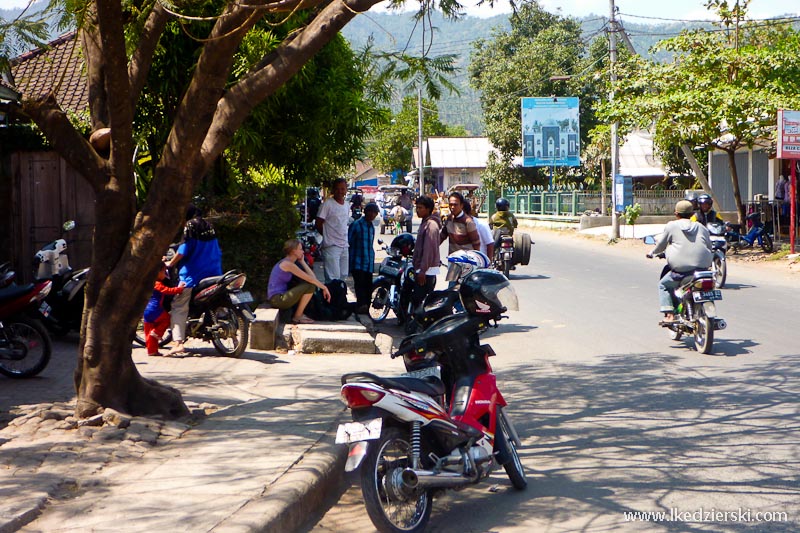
column 720, row 324
column 425, row 479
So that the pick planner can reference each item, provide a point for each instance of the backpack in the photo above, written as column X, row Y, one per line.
column 337, row 309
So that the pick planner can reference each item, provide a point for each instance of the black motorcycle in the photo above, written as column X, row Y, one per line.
column 219, row 312
column 392, row 289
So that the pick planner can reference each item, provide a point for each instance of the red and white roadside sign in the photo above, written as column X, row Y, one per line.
column 789, row 148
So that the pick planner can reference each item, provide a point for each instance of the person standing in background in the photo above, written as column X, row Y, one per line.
column 360, row 237
column 426, row 259
column 460, row 231
column 484, row 232
column 332, row 220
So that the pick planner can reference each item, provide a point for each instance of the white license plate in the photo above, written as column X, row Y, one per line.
column 424, row 373
column 45, row 309
column 243, row 297
column 707, row 296
column 358, row 431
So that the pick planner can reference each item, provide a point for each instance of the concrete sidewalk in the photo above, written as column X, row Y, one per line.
column 257, row 454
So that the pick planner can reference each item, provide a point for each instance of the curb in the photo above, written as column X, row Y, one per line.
column 298, row 494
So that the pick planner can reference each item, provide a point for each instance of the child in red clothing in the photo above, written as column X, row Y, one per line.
column 156, row 318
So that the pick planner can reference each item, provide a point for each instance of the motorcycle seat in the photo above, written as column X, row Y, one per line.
column 430, row 386
column 207, row 282
column 14, row 291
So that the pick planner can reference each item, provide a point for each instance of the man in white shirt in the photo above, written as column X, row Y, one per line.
column 332, row 221
column 484, row 232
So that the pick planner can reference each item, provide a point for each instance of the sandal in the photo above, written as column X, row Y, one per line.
column 302, row 320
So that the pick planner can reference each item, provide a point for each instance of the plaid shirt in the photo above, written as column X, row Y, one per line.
column 360, row 236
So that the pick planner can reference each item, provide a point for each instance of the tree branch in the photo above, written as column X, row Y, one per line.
column 66, row 140
column 272, row 73
column 196, row 110
column 142, row 58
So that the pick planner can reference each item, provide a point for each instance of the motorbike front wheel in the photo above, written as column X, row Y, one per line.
column 703, row 331
column 392, row 507
column 506, row 446
column 379, row 303
column 25, row 348
column 231, row 332
column 720, row 271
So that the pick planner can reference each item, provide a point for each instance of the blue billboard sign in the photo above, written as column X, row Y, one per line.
column 550, row 132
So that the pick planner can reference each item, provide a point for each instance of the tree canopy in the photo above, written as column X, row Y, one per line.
column 392, row 146
column 519, row 63
column 721, row 91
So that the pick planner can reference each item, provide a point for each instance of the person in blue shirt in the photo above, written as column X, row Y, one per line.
column 198, row 257
column 360, row 236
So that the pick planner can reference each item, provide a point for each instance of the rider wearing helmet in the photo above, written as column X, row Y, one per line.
column 705, row 213
column 688, row 248
column 502, row 222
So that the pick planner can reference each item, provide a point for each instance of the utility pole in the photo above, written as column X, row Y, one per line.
column 612, row 50
column 421, row 154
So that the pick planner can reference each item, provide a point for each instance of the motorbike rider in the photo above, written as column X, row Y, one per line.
column 705, row 213
column 688, row 248
column 502, row 221
column 198, row 257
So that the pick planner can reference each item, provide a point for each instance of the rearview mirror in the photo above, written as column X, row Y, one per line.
column 649, row 239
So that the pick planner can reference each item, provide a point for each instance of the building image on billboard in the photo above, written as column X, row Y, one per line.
column 550, row 132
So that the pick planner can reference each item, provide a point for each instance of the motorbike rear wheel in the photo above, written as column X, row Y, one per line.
column 392, row 508
column 505, row 445
column 766, row 243
column 232, row 332
column 379, row 302
column 703, row 331
column 720, row 271
column 25, row 348
column 139, row 337
column 506, row 267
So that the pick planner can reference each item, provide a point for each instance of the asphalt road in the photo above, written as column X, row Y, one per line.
column 617, row 418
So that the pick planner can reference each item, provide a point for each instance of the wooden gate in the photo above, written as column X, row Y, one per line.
column 46, row 193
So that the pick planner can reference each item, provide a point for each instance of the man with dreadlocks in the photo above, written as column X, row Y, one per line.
column 198, row 257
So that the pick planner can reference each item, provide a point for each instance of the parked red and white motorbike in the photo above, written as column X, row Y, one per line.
column 25, row 346
column 442, row 425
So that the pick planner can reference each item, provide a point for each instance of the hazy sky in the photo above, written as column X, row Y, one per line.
column 630, row 10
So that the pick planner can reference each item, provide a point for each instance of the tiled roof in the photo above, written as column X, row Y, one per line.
column 59, row 67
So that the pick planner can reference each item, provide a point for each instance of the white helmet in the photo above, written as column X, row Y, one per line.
column 468, row 261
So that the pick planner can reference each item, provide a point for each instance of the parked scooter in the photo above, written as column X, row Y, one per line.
column 695, row 310
column 758, row 233
column 391, row 290
column 62, row 311
column 442, row 425
column 25, row 346
column 719, row 245
column 219, row 312
column 311, row 240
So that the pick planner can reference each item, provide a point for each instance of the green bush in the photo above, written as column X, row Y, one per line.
column 252, row 228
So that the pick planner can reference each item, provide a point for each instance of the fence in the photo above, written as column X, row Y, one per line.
column 573, row 202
